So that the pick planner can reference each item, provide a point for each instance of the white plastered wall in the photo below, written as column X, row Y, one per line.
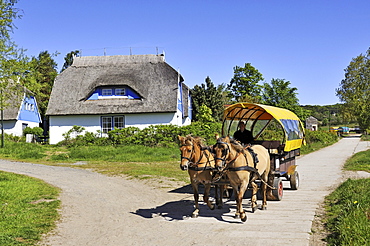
column 62, row 124
column 15, row 127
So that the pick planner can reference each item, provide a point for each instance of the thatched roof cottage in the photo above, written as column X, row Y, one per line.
column 104, row 92
column 20, row 111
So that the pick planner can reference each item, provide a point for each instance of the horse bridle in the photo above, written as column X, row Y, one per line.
column 225, row 163
column 194, row 165
column 226, row 151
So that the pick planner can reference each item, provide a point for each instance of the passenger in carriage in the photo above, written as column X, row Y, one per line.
column 243, row 135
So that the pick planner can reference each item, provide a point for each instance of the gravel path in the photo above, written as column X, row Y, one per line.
column 101, row 210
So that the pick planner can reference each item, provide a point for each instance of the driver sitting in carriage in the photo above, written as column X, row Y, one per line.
column 243, row 135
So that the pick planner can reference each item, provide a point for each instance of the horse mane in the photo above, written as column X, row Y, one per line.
column 189, row 139
column 236, row 145
column 199, row 141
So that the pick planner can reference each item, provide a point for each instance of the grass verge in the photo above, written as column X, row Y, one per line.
column 136, row 161
column 348, row 213
column 28, row 209
column 348, row 207
column 359, row 162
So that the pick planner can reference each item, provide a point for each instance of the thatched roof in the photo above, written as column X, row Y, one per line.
column 149, row 75
column 14, row 101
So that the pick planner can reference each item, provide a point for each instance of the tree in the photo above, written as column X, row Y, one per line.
column 205, row 114
column 354, row 89
column 68, row 59
column 209, row 95
column 244, row 86
column 12, row 59
column 40, row 80
column 280, row 94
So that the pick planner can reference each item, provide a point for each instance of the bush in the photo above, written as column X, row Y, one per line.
column 37, row 131
column 318, row 139
column 205, row 130
column 151, row 136
column 321, row 136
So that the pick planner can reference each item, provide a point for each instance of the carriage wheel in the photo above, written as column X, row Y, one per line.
column 278, row 191
column 294, row 181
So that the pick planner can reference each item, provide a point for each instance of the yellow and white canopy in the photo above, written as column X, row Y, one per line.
column 252, row 113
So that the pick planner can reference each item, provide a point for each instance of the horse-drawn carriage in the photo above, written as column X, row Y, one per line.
column 276, row 137
column 279, row 130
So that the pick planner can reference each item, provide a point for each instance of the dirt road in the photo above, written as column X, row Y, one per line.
column 101, row 210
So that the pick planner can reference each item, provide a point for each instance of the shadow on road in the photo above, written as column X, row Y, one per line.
column 182, row 209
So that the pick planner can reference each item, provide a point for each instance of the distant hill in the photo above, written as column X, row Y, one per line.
column 328, row 113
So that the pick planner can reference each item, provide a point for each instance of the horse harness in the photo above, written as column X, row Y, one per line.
column 194, row 165
column 242, row 168
column 252, row 170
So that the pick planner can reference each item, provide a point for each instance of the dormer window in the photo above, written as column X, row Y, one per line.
column 112, row 92
column 106, row 92
column 120, row 91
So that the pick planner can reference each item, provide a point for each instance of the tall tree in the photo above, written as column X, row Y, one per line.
column 209, row 95
column 12, row 59
column 354, row 89
column 244, row 86
column 41, row 78
column 68, row 59
column 280, row 94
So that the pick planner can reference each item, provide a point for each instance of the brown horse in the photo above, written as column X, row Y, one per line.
column 242, row 168
column 198, row 160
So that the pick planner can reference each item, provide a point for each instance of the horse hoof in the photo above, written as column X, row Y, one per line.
column 244, row 218
column 194, row 216
column 264, row 208
column 237, row 216
column 212, row 207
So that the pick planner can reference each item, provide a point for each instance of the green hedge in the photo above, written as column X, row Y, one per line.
column 166, row 136
column 154, row 135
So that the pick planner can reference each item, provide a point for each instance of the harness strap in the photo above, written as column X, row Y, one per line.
column 243, row 168
column 196, row 168
column 254, row 155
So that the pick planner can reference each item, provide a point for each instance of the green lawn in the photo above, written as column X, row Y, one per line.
column 28, row 208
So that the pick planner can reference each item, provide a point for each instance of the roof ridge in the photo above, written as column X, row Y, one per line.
column 115, row 60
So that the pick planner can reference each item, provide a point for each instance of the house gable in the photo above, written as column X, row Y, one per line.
column 29, row 110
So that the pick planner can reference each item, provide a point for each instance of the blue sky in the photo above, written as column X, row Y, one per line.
column 308, row 43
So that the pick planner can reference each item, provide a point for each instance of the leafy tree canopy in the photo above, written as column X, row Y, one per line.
column 280, row 94
column 40, row 80
column 8, row 13
column 244, row 86
column 68, row 59
column 205, row 114
column 12, row 59
column 354, row 89
column 209, row 95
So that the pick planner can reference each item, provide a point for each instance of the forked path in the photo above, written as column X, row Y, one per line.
column 101, row 210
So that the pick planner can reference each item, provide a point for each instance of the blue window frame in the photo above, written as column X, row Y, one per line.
column 106, row 92
column 108, row 123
